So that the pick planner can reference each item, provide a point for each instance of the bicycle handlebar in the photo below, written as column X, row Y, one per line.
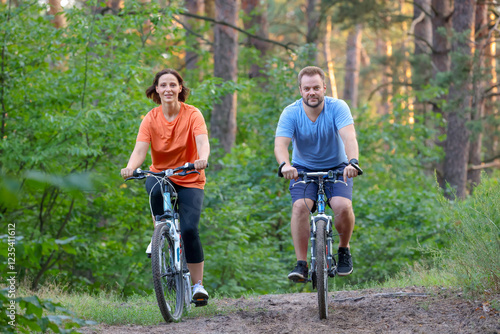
column 140, row 174
column 330, row 174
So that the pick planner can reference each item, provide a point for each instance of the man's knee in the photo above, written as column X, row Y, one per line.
column 341, row 207
column 301, row 207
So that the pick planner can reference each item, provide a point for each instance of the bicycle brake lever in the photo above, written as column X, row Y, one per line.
column 299, row 182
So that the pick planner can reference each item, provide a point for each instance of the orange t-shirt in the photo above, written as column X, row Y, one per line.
column 173, row 143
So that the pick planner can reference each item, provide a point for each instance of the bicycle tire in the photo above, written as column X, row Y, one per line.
column 167, row 281
column 321, row 268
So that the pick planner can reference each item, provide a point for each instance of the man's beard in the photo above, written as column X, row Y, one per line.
column 313, row 105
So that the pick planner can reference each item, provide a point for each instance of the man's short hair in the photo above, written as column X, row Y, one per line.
column 311, row 71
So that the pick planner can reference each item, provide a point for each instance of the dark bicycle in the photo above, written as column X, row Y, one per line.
column 323, row 262
column 171, row 277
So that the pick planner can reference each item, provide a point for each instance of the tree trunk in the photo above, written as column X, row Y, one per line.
column 440, row 61
column 442, row 19
column 491, row 109
column 191, row 56
column 384, row 49
column 422, row 32
column 421, row 29
column 115, row 5
column 256, row 10
column 352, row 65
column 423, row 26
column 56, row 9
column 210, row 8
column 460, row 100
column 332, row 85
column 312, row 30
column 481, row 28
column 223, row 118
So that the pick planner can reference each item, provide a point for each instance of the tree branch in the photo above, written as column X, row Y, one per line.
column 387, row 84
column 209, row 19
column 191, row 31
column 485, row 165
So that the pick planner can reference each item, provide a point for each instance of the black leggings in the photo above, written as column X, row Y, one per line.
column 189, row 203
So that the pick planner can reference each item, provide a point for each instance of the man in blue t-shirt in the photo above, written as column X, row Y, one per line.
column 321, row 130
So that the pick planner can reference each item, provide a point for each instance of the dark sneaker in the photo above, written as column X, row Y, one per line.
column 344, row 266
column 299, row 273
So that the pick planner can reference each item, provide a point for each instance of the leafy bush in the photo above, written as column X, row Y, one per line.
column 473, row 254
column 36, row 316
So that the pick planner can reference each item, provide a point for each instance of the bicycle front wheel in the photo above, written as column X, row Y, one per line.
column 168, row 282
column 321, row 268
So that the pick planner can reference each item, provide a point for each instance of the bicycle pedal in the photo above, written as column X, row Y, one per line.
column 299, row 280
column 200, row 302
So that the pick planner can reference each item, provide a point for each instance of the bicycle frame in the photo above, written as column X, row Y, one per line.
column 173, row 223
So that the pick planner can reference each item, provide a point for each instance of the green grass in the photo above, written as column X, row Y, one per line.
column 110, row 308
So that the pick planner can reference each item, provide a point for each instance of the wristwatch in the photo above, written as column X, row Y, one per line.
column 355, row 163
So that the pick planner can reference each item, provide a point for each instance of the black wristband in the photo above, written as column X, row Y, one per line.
column 353, row 162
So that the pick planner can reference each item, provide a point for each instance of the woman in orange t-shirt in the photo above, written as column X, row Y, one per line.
column 177, row 134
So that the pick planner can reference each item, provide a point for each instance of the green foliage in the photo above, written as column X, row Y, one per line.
column 475, row 239
column 74, row 98
column 36, row 316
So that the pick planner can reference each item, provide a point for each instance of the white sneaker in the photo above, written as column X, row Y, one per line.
column 148, row 250
column 199, row 292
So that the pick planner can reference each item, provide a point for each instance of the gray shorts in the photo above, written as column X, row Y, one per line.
column 310, row 190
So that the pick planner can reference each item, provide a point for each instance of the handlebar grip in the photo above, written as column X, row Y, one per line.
column 356, row 166
column 280, row 174
column 190, row 166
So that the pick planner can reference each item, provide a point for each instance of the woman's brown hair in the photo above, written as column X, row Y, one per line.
column 153, row 95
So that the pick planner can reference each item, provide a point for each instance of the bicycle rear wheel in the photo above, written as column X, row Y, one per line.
column 321, row 269
column 168, row 282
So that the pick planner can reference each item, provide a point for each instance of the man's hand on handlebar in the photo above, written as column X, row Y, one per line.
column 289, row 172
column 350, row 172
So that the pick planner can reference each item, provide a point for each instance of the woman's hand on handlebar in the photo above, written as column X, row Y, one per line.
column 200, row 164
column 127, row 172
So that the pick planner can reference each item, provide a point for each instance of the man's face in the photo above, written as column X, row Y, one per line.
column 312, row 90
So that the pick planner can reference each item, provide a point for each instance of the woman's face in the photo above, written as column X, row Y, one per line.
column 168, row 88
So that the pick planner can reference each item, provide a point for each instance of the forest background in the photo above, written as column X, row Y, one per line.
column 420, row 78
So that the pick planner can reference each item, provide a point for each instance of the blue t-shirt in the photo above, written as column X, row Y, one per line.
column 316, row 145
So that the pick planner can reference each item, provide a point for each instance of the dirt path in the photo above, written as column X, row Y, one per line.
column 410, row 310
